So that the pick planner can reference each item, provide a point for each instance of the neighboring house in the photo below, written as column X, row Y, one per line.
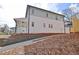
column 12, row 30
column 21, row 25
column 4, row 28
column 75, row 23
column 38, row 20
column 68, row 25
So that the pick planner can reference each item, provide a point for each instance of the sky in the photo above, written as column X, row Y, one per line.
column 10, row 9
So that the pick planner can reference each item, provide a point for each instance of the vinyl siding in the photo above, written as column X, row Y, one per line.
column 58, row 26
column 43, row 14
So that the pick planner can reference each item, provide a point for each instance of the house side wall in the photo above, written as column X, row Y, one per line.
column 40, row 17
column 21, row 26
column 57, row 26
column 43, row 14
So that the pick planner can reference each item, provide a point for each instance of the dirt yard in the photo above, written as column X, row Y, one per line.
column 63, row 44
column 58, row 44
column 4, row 36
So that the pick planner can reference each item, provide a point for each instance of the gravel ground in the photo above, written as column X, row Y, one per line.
column 62, row 44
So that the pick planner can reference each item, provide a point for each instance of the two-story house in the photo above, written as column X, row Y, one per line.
column 38, row 20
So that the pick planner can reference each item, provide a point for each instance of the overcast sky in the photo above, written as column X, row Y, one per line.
column 10, row 9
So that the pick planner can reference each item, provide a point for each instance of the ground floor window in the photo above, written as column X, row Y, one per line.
column 32, row 24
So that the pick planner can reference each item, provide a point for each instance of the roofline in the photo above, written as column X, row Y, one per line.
column 41, row 9
column 20, row 18
column 17, row 18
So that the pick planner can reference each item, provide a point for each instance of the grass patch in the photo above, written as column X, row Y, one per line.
column 2, row 33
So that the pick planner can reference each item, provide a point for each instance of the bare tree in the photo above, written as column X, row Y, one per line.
column 69, row 13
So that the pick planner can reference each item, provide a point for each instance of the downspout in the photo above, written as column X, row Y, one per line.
column 15, row 25
column 29, row 23
column 64, row 25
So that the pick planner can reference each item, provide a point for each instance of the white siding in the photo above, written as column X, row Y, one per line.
column 42, row 13
column 39, row 17
column 52, row 16
column 58, row 26
column 60, row 18
column 38, row 12
column 21, row 30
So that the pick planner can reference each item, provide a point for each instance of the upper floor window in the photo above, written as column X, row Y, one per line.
column 32, row 24
column 47, row 15
column 56, row 17
column 32, row 11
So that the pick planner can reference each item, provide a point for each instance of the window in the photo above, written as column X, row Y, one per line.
column 23, row 30
column 32, row 11
column 22, row 22
column 49, row 25
column 32, row 24
column 44, row 25
column 56, row 18
column 46, row 15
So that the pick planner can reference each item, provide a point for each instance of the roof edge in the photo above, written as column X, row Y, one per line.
column 44, row 10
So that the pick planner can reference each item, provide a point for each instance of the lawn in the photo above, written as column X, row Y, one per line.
column 2, row 33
